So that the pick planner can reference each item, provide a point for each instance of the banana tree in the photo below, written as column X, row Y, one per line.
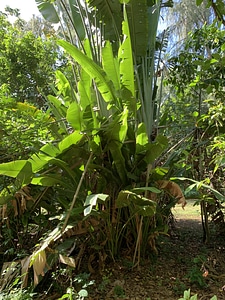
column 107, row 114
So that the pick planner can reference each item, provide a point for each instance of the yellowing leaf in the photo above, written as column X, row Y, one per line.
column 39, row 263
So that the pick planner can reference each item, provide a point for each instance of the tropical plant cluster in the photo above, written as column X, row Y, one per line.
column 92, row 171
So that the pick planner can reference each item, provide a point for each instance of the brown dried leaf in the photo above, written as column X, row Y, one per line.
column 14, row 204
column 67, row 260
column 23, row 204
column 24, row 270
column 3, row 211
column 174, row 189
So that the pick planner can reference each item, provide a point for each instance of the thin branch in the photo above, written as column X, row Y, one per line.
column 76, row 193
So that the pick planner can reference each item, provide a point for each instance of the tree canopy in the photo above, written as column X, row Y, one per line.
column 27, row 63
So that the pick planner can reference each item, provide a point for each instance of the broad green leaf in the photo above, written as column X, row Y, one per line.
column 70, row 140
column 223, row 47
column 34, row 111
column 117, row 129
column 137, row 13
column 74, row 116
column 24, row 176
column 48, row 154
column 84, row 88
column 118, row 159
column 91, row 200
column 123, row 125
column 141, row 139
column 46, row 181
column 64, row 88
column 155, row 149
column 40, row 161
column 111, row 65
column 49, row 150
column 20, row 169
column 85, row 82
column 141, row 205
column 59, row 105
column 125, row 57
column 125, row 198
column 77, row 20
column 146, row 211
column 104, row 85
column 48, row 11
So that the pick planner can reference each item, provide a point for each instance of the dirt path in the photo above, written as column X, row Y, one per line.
column 183, row 262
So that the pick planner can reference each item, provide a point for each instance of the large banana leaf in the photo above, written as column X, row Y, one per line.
column 137, row 12
column 104, row 85
column 126, row 58
column 77, row 19
column 48, row 11
column 112, row 68
column 20, row 169
column 110, row 13
column 116, row 134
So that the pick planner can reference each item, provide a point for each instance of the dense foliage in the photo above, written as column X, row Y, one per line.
column 27, row 63
column 93, row 172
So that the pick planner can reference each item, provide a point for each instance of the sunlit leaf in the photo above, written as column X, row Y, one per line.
column 91, row 201
column 141, row 139
column 39, row 263
column 125, row 56
column 104, row 85
column 74, row 115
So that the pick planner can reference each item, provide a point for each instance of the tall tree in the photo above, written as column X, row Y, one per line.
column 184, row 17
column 27, row 62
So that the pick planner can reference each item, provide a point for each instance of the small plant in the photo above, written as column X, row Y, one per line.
column 195, row 272
column 119, row 291
column 105, row 282
column 78, row 286
column 71, row 294
column 187, row 296
column 13, row 291
column 18, row 294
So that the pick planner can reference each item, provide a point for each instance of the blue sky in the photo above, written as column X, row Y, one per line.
column 27, row 7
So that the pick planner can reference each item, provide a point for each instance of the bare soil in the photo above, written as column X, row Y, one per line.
column 183, row 262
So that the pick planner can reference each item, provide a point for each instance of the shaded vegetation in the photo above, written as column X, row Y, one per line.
column 96, row 167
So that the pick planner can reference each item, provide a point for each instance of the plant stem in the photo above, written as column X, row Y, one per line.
column 76, row 193
column 139, row 237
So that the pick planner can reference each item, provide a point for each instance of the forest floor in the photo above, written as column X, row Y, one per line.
column 183, row 262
